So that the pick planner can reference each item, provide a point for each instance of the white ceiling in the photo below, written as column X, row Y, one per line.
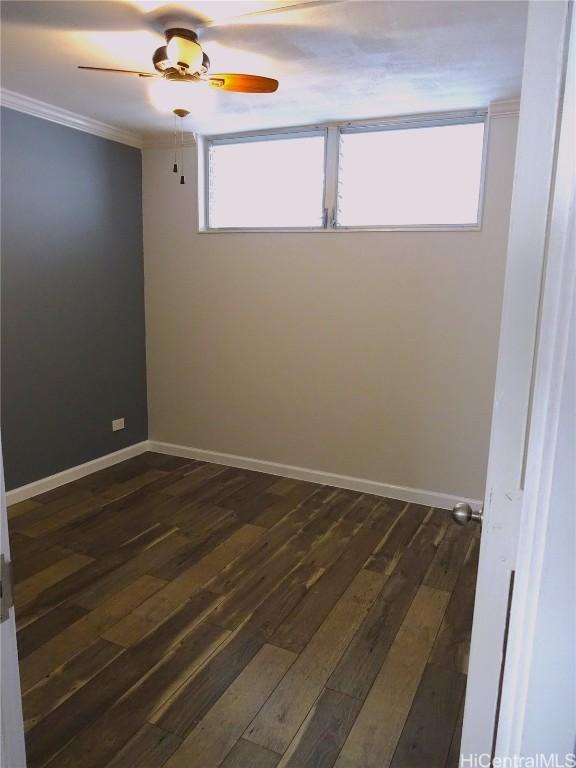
column 334, row 60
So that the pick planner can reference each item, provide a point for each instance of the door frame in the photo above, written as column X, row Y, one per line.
column 553, row 350
column 494, row 637
column 12, row 749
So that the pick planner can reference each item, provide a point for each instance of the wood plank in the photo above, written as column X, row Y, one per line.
column 52, row 517
column 139, row 565
column 320, row 739
column 66, row 680
column 408, row 519
column 167, row 462
column 139, row 510
column 71, row 586
column 22, row 547
column 216, row 734
column 249, row 500
column 202, row 540
column 245, row 754
column 279, row 500
column 283, row 486
column 29, row 589
column 292, row 489
column 154, row 610
column 348, row 514
column 118, row 490
column 196, row 479
column 24, row 567
column 270, row 542
column 453, row 759
column 278, row 722
column 22, row 508
column 363, row 659
column 150, row 747
column 277, row 503
column 445, row 567
column 79, row 635
column 69, row 493
column 117, row 524
column 108, row 734
column 150, row 614
column 274, row 509
column 190, row 704
column 271, row 612
column 52, row 734
column 427, row 733
column 34, row 635
column 117, row 473
column 452, row 646
column 240, row 603
column 301, row 624
column 218, row 488
column 378, row 727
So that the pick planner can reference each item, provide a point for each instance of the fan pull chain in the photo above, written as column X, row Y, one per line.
column 175, row 166
column 182, row 179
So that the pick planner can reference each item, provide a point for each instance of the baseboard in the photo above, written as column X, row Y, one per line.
column 75, row 473
column 413, row 495
column 403, row 493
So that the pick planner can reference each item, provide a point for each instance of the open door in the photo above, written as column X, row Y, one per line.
column 535, row 182
column 12, row 754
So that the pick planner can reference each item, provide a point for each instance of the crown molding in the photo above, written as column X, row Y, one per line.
column 507, row 108
column 54, row 114
column 37, row 108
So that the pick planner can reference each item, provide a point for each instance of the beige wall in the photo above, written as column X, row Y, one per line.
column 370, row 355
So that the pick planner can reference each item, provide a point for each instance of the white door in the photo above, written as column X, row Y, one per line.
column 12, row 753
column 543, row 91
column 538, row 704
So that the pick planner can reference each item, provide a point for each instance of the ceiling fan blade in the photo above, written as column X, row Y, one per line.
column 122, row 71
column 242, row 83
column 288, row 5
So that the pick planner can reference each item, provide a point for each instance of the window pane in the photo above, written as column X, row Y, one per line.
column 267, row 183
column 410, row 176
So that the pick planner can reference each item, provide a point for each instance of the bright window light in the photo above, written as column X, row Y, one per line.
column 266, row 183
column 410, row 176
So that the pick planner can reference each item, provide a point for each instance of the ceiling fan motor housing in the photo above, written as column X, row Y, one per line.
column 183, row 52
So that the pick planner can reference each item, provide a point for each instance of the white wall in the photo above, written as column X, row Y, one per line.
column 370, row 355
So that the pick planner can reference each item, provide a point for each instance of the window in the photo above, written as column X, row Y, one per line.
column 405, row 174
column 410, row 177
column 266, row 183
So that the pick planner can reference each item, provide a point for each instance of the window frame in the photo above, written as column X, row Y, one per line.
column 332, row 133
column 244, row 138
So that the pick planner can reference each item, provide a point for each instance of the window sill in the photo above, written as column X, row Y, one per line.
column 320, row 230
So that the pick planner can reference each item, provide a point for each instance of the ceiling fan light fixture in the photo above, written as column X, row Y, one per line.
column 160, row 59
column 167, row 95
column 183, row 50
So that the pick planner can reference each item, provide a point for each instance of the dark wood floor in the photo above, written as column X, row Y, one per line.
column 180, row 614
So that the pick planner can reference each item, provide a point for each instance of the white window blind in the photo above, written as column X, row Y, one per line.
column 270, row 183
column 410, row 177
column 411, row 173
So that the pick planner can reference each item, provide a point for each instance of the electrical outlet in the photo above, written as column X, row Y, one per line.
column 117, row 424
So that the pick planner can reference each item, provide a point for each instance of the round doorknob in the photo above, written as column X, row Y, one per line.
column 462, row 513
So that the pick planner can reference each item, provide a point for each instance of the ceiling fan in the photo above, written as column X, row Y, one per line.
column 183, row 60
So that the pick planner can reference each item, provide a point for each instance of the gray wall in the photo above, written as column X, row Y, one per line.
column 73, row 333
